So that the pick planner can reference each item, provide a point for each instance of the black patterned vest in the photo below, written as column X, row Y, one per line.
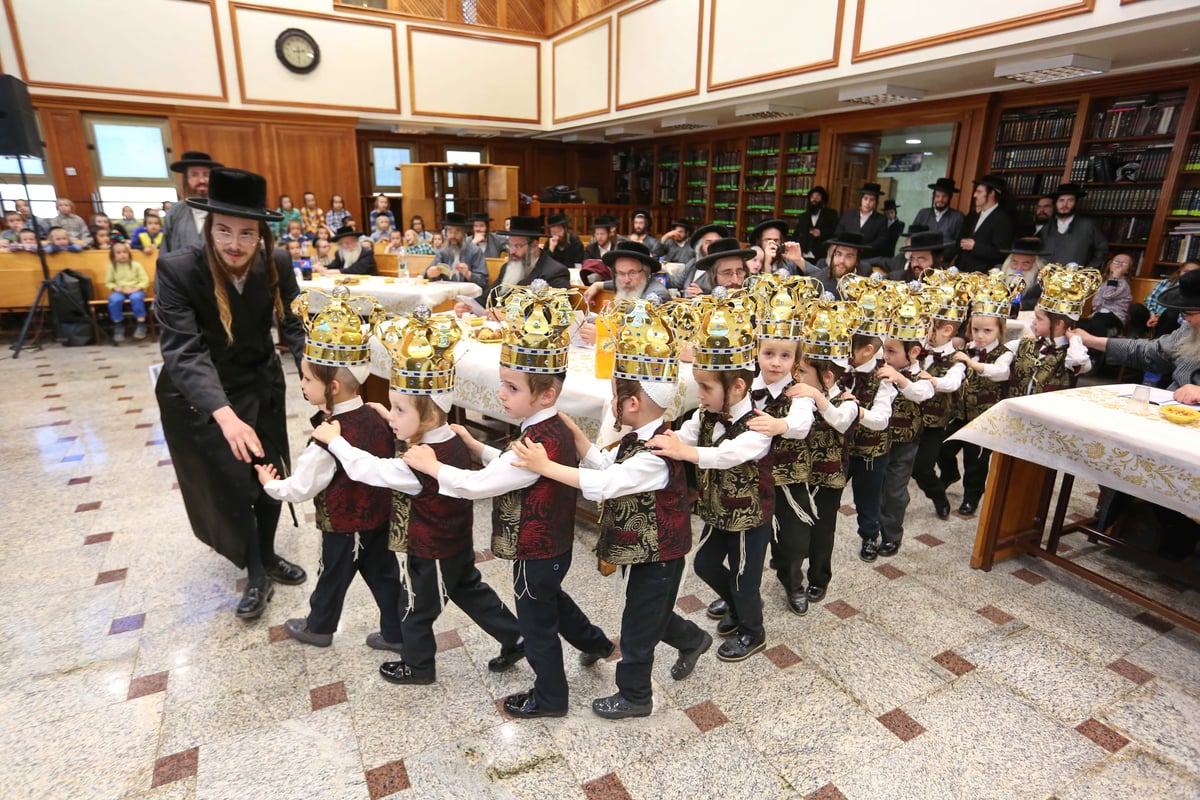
column 539, row 521
column 866, row 443
column 830, row 452
column 346, row 506
column 905, row 425
column 937, row 411
column 789, row 457
column 739, row 498
column 980, row 393
column 1048, row 371
column 646, row 526
column 429, row 524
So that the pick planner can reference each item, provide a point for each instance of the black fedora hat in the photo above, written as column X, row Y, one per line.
column 194, row 158
column 455, row 220
column 725, row 248
column 994, row 182
column 344, row 232
column 925, row 240
column 641, row 212
column 1027, row 246
column 237, row 193
column 916, row 228
column 1184, row 295
column 631, row 249
column 890, row 205
column 767, row 225
column 1069, row 188
column 681, row 223
column 523, row 226
column 871, row 188
column 848, row 239
column 558, row 219
column 604, row 221
column 703, row 230
column 480, row 216
column 824, row 192
column 944, row 185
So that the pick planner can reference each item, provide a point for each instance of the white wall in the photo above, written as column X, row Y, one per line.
column 474, row 77
column 780, row 36
column 658, row 45
column 582, row 72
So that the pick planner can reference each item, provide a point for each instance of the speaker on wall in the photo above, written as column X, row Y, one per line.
column 18, row 124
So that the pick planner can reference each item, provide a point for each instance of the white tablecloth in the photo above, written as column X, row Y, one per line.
column 1090, row 433
column 399, row 295
column 1021, row 326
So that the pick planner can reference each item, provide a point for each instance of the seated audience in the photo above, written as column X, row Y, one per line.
column 289, row 211
column 395, row 245
column 417, row 246
column 101, row 238
column 13, row 223
column 383, row 208
column 1162, row 319
column 352, row 257
column 312, row 215
column 337, row 216
column 71, row 222
column 126, row 280
column 150, row 236
column 1111, row 303
column 60, row 242
column 381, row 228
column 324, row 253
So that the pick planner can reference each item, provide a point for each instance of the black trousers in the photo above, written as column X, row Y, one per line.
column 923, row 472
column 649, row 618
column 976, row 460
column 378, row 567
column 466, row 589
column 544, row 611
column 865, row 479
column 741, row 591
column 807, row 541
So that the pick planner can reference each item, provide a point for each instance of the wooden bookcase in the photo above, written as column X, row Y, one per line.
column 1180, row 240
column 726, row 187
column 431, row 189
column 695, row 182
column 1030, row 151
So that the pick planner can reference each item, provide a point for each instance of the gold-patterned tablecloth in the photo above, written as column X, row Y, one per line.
column 1091, row 433
column 398, row 295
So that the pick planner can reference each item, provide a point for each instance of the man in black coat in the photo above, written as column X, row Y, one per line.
column 815, row 226
column 866, row 222
column 352, row 256
column 563, row 245
column 895, row 226
column 988, row 230
column 940, row 217
column 526, row 262
column 1070, row 238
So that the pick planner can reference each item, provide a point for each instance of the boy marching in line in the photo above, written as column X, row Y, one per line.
column 1053, row 357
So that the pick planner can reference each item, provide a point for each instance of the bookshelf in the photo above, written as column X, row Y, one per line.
column 726, row 172
column 1030, row 151
column 668, row 174
column 1181, row 233
column 695, row 184
column 760, row 193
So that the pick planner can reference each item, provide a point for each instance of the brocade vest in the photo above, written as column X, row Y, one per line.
column 1048, row 372
column 829, row 452
column 346, row 506
column 937, row 411
column 980, row 393
column 789, row 457
column 905, row 425
column 432, row 525
column 864, row 442
column 539, row 521
column 739, row 498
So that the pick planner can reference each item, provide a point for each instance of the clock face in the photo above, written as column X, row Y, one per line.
column 297, row 50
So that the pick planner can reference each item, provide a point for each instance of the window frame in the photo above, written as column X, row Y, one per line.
column 398, row 189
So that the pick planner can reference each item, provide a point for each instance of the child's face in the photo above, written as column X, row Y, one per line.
column 438, row 240
column 404, row 418
column 295, row 229
column 806, row 372
column 101, row 237
column 64, row 206
column 776, row 359
column 941, row 332
column 310, row 200
column 395, row 238
column 1041, row 323
column 863, row 354
column 709, row 391
column 59, row 238
column 127, row 212
column 1119, row 266
column 293, row 248
column 120, row 253
column 14, row 221
column 337, row 203
column 153, row 225
column 285, row 203
column 381, row 204
column 27, row 238
column 984, row 330
column 382, row 223
column 516, row 398
column 313, row 389
column 322, row 247
column 895, row 354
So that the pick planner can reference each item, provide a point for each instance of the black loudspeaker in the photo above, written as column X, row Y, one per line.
column 18, row 124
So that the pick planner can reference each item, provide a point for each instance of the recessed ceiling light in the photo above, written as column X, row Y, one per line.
column 1053, row 68
column 912, row 141
column 879, row 94
column 767, row 111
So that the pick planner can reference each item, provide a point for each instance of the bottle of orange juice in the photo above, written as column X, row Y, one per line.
column 605, row 348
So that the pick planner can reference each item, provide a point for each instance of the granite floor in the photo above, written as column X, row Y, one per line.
column 126, row 674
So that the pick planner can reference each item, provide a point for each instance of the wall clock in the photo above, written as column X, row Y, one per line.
column 297, row 50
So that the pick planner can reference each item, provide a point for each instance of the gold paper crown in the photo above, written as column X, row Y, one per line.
column 336, row 333
column 422, row 351
column 724, row 330
column 877, row 301
column 949, row 293
column 647, row 348
column 536, row 319
column 911, row 320
column 995, row 292
column 779, row 301
column 829, row 327
column 1065, row 288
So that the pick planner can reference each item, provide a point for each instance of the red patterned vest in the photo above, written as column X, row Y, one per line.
column 346, row 506
column 937, row 411
column 830, row 452
column 905, row 425
column 539, row 521
column 789, row 457
column 432, row 525
column 1048, row 372
column 738, row 498
column 980, row 393
column 646, row 526
column 864, row 442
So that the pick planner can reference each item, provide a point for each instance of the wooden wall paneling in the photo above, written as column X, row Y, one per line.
column 66, row 148
column 320, row 159
column 231, row 142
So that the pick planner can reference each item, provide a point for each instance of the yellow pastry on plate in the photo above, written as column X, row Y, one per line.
column 1180, row 415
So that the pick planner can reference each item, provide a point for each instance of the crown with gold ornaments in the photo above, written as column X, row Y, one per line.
column 779, row 302
column 995, row 292
column 1066, row 287
column 829, row 326
column 877, row 300
column 722, row 330
column 536, row 319
column 337, row 326
column 421, row 347
column 646, row 344
column 910, row 321
column 949, row 293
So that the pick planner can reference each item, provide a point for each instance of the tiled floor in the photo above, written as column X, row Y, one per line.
column 127, row 675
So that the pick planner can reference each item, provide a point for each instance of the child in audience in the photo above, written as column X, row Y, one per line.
column 289, row 212
column 128, row 221
column 13, row 222
column 352, row 516
column 126, row 280
column 101, row 239
column 382, row 208
column 323, row 234
column 431, row 532
column 312, row 216
column 26, row 240
column 533, row 518
column 295, row 233
column 324, row 253
column 337, row 216
column 58, row 241
column 395, row 243
column 381, row 228
column 151, row 236
column 71, row 222
column 417, row 246
column 297, row 255
column 437, row 241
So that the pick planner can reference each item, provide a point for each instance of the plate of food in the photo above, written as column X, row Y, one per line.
column 1180, row 415
column 489, row 332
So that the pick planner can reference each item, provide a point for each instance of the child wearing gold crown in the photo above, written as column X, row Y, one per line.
column 431, row 533
column 737, row 491
column 645, row 524
column 533, row 518
column 1054, row 357
column 351, row 516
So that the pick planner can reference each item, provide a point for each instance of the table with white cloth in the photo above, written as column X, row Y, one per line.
column 1089, row 433
column 398, row 295
column 1021, row 326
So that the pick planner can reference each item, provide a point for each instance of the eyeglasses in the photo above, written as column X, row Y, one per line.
column 226, row 237
column 628, row 275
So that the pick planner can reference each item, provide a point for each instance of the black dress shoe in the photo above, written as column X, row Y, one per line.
column 717, row 609
column 508, row 657
column 889, row 549
column 968, row 507
column 285, row 572
column 523, row 706
column 798, row 603
column 868, row 551
column 948, row 479
column 400, row 672
column 617, row 707
column 686, row 662
column 942, row 507
column 587, row 659
column 739, row 648
column 816, row 593
column 728, row 626
column 254, row 601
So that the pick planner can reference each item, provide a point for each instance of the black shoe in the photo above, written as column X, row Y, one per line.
column 717, row 609
column 773, row 564
column 523, row 706
column 617, row 707
column 741, row 647
column 399, row 672
column 298, row 629
column 587, row 659
column 728, row 626
column 508, row 657
column 816, row 593
column 942, row 507
column 948, row 479
column 285, row 572
column 686, row 662
column 798, row 602
column 869, row 551
column 375, row 641
column 889, row 549
column 968, row 507
column 254, row 601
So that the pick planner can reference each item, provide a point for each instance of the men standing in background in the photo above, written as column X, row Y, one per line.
column 641, row 230
column 988, row 230
column 492, row 245
column 815, row 226
column 895, row 226
column 673, row 246
column 941, row 217
column 183, row 223
column 1072, row 239
column 563, row 245
column 866, row 222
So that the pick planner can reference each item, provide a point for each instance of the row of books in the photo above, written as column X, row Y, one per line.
column 727, row 161
column 802, row 140
column 1030, row 126
column 696, row 197
column 763, row 145
column 801, row 162
column 1144, row 115
column 1182, row 244
column 696, row 158
column 1033, row 182
column 1187, row 203
column 1043, row 155
column 760, row 183
column 762, row 165
column 1126, row 229
column 1192, row 164
column 797, row 184
column 1143, row 199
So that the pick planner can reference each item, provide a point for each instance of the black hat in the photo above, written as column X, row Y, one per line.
column 916, row 228
column 641, row 212
column 237, row 193
column 944, row 185
column 194, row 158
column 824, row 192
column 558, row 219
column 631, row 249
column 523, row 226
column 1069, row 188
column 1185, row 295
column 1027, row 246
column 480, row 216
column 604, row 221
column 681, row 223
column 871, row 188
column 890, row 205
column 719, row 230
column 766, row 225
column 724, row 248
column 925, row 240
column 994, row 182
column 455, row 220
column 848, row 239
column 345, row 232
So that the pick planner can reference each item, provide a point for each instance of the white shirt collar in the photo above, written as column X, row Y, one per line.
column 867, row 366
column 442, row 433
column 984, row 215
column 948, row 347
column 741, row 408
column 539, row 416
column 939, row 214
column 775, row 388
column 834, row 392
column 990, row 347
column 1061, row 341
column 1064, row 224
column 649, row 429
column 347, row 405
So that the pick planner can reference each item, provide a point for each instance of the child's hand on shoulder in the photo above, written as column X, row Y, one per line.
column 381, row 410
column 326, row 432
column 530, row 455
column 802, row 390
column 473, row 444
column 766, row 424
column 887, row 372
column 266, row 473
column 925, row 376
column 422, row 458
column 667, row 445
column 848, row 397
column 959, row 355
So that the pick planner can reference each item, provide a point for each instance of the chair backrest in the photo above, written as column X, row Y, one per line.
column 418, row 264
column 387, row 264
column 495, row 267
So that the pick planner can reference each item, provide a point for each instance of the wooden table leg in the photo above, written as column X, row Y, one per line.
column 1014, row 509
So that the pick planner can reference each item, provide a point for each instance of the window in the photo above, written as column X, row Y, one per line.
column 41, row 189
column 459, row 156
column 385, row 166
column 129, row 156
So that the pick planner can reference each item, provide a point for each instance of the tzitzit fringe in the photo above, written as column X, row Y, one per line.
column 795, row 506
column 522, row 578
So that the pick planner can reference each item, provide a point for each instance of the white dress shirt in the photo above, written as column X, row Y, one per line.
column 953, row 377
column 749, row 446
column 314, row 468
column 601, row 477
column 498, row 475
column 1077, row 354
column 800, row 413
column 917, row 390
column 998, row 370
column 840, row 417
column 876, row 417
column 390, row 473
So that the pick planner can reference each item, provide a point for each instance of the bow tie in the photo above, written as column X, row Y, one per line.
column 976, row 352
column 1048, row 347
column 714, row 417
column 925, row 351
column 758, row 394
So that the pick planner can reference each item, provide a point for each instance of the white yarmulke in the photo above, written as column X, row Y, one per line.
column 360, row 372
column 663, row 393
column 444, row 400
